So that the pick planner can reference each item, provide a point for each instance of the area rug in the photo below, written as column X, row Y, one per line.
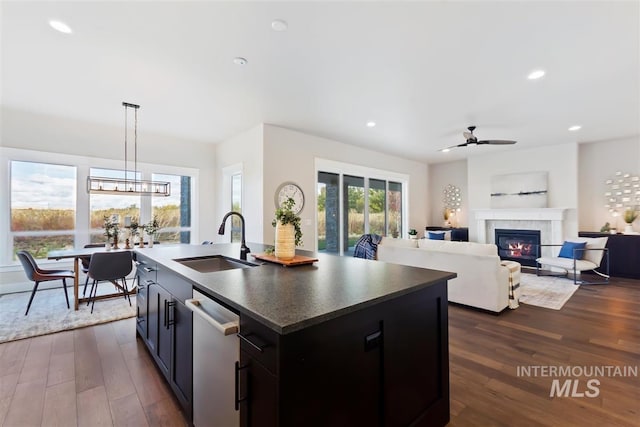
column 546, row 291
column 49, row 313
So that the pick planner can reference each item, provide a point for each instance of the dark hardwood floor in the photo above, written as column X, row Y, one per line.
column 598, row 326
column 102, row 375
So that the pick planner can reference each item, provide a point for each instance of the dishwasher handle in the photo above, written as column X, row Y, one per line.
column 228, row 328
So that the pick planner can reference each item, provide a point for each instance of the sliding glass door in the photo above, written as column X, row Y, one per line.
column 350, row 206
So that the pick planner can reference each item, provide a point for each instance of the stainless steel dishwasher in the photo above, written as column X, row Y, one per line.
column 215, row 353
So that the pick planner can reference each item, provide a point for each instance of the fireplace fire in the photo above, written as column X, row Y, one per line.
column 518, row 245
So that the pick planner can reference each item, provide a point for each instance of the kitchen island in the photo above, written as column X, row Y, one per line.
column 341, row 342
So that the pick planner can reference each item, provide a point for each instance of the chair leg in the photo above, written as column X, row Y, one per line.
column 126, row 290
column 33, row 293
column 86, row 282
column 95, row 292
column 94, row 285
column 64, row 286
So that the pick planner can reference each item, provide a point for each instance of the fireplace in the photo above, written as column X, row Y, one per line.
column 518, row 245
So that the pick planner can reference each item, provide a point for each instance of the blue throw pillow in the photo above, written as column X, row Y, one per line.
column 568, row 247
column 436, row 236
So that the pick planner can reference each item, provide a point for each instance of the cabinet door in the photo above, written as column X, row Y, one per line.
column 258, row 389
column 159, row 330
column 141, row 307
column 181, row 320
column 416, row 359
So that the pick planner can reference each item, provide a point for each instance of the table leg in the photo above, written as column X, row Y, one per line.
column 76, row 274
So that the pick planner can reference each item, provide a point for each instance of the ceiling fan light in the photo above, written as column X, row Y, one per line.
column 575, row 128
column 446, row 150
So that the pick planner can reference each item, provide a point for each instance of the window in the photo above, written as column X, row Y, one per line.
column 236, row 206
column 43, row 207
column 47, row 206
column 174, row 212
column 108, row 204
column 352, row 204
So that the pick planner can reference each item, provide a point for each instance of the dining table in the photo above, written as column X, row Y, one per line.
column 77, row 255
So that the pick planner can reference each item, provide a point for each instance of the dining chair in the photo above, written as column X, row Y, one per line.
column 85, row 264
column 111, row 266
column 38, row 275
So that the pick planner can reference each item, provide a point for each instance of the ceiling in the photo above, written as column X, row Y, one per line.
column 423, row 71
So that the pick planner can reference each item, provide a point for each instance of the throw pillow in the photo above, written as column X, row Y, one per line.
column 568, row 247
column 436, row 236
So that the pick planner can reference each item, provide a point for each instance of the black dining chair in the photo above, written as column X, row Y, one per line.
column 38, row 275
column 84, row 261
column 111, row 266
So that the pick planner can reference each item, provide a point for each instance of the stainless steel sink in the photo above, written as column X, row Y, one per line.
column 212, row 263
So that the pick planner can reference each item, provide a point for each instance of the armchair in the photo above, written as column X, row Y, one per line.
column 587, row 258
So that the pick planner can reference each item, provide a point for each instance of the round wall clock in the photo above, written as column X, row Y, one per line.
column 290, row 189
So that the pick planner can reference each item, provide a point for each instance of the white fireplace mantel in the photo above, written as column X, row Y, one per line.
column 552, row 218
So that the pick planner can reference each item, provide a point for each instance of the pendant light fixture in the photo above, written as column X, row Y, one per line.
column 128, row 185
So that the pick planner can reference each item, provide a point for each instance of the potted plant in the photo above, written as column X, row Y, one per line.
column 111, row 231
column 288, row 231
column 413, row 234
column 630, row 215
column 151, row 228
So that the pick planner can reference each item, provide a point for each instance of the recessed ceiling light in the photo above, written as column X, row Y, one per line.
column 445, row 150
column 371, row 124
column 279, row 25
column 60, row 26
column 575, row 128
column 238, row 60
column 536, row 74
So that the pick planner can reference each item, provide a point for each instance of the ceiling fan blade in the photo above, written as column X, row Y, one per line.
column 496, row 142
column 464, row 144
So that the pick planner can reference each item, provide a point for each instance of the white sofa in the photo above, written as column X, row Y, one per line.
column 482, row 282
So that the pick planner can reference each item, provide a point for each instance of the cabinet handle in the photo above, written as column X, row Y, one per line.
column 251, row 343
column 171, row 313
column 148, row 269
column 237, row 389
column 166, row 312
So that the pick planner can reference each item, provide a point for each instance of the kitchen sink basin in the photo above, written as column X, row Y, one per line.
column 213, row 263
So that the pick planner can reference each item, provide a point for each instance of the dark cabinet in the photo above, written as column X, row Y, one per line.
column 181, row 352
column 159, row 333
column 624, row 253
column 166, row 326
column 257, row 392
column 386, row 365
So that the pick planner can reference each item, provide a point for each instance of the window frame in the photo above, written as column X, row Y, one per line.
column 83, row 164
column 341, row 168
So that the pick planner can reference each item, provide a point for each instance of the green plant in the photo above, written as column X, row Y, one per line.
column 285, row 215
column 152, row 227
column 135, row 227
column 630, row 215
column 111, row 229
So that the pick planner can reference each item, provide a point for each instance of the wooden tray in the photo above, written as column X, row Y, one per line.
column 297, row 260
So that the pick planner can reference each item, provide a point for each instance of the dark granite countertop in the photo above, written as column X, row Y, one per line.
column 287, row 299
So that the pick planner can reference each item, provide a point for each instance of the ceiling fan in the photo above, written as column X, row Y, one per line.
column 472, row 139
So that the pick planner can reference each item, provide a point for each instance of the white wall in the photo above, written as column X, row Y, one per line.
column 290, row 156
column 598, row 162
column 560, row 161
column 245, row 149
column 441, row 175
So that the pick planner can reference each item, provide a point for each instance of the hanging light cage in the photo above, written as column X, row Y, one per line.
column 126, row 185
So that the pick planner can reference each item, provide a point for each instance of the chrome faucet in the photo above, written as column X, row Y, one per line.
column 244, row 250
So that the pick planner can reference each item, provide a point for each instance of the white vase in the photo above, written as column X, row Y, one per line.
column 628, row 229
column 150, row 241
column 285, row 241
